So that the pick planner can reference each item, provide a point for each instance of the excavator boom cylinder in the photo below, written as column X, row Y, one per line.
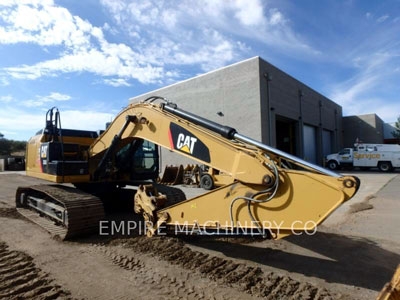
column 286, row 156
column 231, row 133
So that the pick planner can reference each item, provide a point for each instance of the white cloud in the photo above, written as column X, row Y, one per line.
column 15, row 120
column 249, row 13
column 209, row 57
column 382, row 18
column 110, row 29
column 109, row 62
column 116, row 82
column 359, row 94
column 85, row 120
column 32, row 103
column 41, row 100
column 368, row 15
column 57, row 97
column 387, row 111
column 206, row 33
column 199, row 32
column 84, row 45
column 276, row 17
column 4, row 81
column 25, row 124
column 44, row 24
column 6, row 99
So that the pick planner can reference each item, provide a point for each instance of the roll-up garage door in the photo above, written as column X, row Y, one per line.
column 310, row 143
column 327, row 137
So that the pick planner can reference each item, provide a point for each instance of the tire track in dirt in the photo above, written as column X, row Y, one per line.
column 251, row 280
column 21, row 279
column 166, row 284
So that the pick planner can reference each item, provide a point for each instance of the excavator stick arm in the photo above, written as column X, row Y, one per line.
column 302, row 203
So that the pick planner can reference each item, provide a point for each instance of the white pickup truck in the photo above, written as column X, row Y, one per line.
column 383, row 156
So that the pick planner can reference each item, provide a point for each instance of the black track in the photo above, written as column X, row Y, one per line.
column 84, row 210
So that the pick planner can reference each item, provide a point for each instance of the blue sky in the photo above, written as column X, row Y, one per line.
column 89, row 57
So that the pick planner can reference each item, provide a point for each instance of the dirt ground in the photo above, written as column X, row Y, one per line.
column 351, row 260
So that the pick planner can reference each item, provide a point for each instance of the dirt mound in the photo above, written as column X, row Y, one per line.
column 361, row 206
column 245, row 278
column 21, row 279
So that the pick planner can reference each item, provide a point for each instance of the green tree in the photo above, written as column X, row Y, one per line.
column 396, row 132
column 9, row 146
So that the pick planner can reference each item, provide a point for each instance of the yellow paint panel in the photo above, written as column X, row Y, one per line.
column 303, row 201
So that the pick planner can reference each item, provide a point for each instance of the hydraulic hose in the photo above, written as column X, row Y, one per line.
column 273, row 188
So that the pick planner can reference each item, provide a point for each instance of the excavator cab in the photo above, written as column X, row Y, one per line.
column 61, row 155
column 57, row 154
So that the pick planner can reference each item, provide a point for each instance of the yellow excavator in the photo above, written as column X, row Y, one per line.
column 272, row 193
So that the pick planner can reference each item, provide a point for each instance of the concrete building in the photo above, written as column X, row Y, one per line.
column 264, row 103
column 364, row 128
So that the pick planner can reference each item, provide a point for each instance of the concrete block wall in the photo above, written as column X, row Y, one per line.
column 233, row 90
column 240, row 93
column 283, row 95
column 368, row 128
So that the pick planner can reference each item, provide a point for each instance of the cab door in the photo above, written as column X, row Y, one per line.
column 346, row 156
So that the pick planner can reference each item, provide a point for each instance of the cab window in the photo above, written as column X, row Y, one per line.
column 344, row 152
column 139, row 157
column 145, row 157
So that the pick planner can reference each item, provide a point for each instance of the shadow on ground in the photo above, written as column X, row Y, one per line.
column 349, row 260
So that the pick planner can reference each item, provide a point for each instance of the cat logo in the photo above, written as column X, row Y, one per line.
column 186, row 143
column 43, row 151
